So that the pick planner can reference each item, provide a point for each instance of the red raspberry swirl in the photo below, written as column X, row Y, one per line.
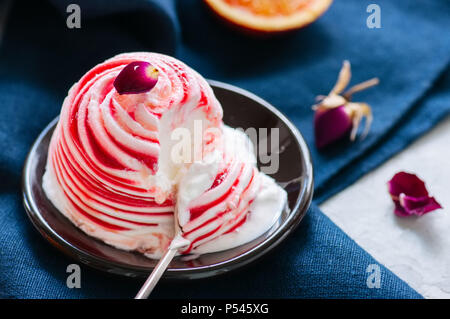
column 105, row 168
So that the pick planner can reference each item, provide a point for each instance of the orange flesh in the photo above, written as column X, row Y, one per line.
column 270, row 7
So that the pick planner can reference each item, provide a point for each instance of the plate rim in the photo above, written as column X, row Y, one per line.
column 273, row 240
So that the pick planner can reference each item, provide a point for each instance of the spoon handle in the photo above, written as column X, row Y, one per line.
column 156, row 274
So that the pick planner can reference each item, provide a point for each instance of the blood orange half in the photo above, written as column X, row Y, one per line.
column 269, row 16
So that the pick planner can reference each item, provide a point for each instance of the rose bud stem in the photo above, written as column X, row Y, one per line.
column 336, row 116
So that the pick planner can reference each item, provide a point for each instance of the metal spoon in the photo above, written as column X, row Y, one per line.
column 177, row 243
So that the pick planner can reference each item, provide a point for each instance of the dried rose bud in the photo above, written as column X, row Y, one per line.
column 136, row 77
column 410, row 195
column 331, row 125
column 336, row 117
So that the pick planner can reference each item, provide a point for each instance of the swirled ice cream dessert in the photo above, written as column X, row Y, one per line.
column 140, row 151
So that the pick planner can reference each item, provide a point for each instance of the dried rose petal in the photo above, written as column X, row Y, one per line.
column 136, row 77
column 410, row 195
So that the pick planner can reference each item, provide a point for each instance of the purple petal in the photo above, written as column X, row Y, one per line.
column 399, row 210
column 136, row 77
column 330, row 125
column 418, row 205
column 410, row 195
column 408, row 184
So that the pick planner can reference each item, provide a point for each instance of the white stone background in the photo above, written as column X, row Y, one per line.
column 415, row 249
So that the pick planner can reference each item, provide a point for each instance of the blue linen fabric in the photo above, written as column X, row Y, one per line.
column 40, row 58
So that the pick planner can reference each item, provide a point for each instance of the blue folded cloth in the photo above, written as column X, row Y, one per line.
column 40, row 58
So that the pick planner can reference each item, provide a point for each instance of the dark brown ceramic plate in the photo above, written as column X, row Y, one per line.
column 241, row 109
